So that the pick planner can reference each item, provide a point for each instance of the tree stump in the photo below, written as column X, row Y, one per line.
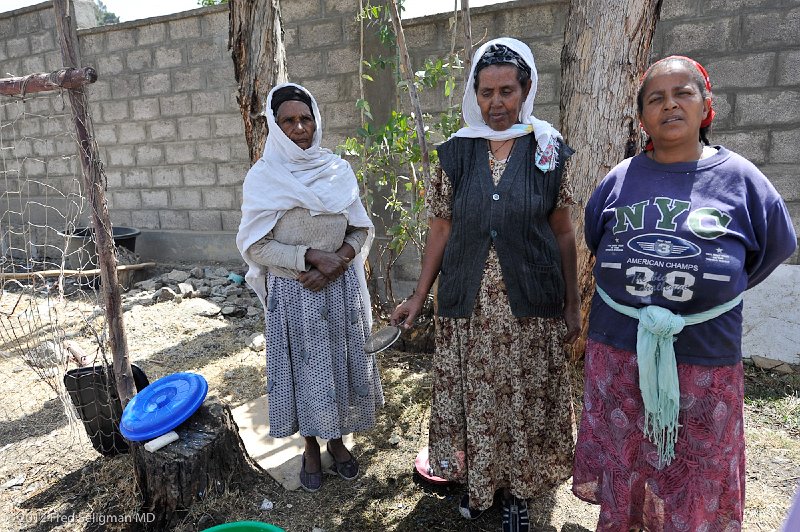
column 209, row 458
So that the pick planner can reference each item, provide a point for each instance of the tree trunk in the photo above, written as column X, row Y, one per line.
column 606, row 49
column 209, row 458
column 255, row 39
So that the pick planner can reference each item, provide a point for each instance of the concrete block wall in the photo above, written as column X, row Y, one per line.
column 171, row 138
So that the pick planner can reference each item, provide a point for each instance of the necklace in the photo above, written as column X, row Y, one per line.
column 495, row 151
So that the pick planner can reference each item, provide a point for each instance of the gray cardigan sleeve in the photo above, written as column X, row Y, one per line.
column 269, row 252
column 356, row 236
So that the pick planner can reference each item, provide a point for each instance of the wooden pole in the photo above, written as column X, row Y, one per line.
column 72, row 273
column 66, row 78
column 95, row 189
column 467, row 23
column 405, row 67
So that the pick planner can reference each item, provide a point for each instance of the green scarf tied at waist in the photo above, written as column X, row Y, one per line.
column 658, row 369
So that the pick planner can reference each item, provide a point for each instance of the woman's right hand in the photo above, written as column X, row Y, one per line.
column 406, row 312
column 331, row 265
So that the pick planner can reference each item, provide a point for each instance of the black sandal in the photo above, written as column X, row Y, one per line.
column 348, row 469
column 515, row 515
column 310, row 482
column 467, row 512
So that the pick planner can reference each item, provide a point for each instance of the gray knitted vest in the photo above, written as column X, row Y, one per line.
column 512, row 216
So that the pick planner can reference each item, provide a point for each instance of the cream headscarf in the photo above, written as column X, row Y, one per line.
column 287, row 176
column 546, row 135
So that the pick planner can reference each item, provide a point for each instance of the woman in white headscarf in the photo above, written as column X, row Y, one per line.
column 304, row 233
column 503, row 247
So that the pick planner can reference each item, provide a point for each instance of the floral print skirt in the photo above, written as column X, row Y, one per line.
column 501, row 414
column 618, row 468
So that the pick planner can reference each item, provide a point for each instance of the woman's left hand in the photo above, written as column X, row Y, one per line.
column 572, row 316
column 313, row 280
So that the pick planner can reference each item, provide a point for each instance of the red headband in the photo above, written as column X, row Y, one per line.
column 710, row 116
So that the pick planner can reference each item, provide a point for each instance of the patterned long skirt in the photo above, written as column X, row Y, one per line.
column 618, row 468
column 319, row 380
column 501, row 415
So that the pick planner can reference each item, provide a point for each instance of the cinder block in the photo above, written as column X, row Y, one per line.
column 228, row 126
column 109, row 64
column 7, row 27
column 42, row 41
column 125, row 199
column 304, row 65
column 214, row 151
column 205, row 220
column 53, row 61
column 149, row 154
column 193, row 128
column 167, row 176
column 145, row 219
column 155, row 199
column 113, row 178
column 155, row 83
column 784, row 178
column 214, row 24
column 151, row 34
column 531, row 21
column 737, row 71
column 295, row 11
column 789, row 67
column 778, row 27
column 322, row 33
column 188, row 79
column 59, row 166
column 105, row 134
column 760, row 109
column 179, row 152
column 92, row 44
column 342, row 114
column 132, row 133
column 163, row 130
column 185, row 198
column 232, row 173
column 125, row 87
column 185, row 28
column 120, row 156
column 343, row 60
column 99, row 90
column 169, row 56
column 219, row 198
column 422, row 35
column 141, row 59
column 34, row 63
column 231, row 219
column 136, row 178
column 114, row 111
column 18, row 47
column 121, row 218
column 697, row 37
column 208, row 102
column 176, row 105
column 145, row 109
column 120, row 39
column 199, row 174
column 205, row 52
column 28, row 23
column 676, row 9
column 752, row 144
column 783, row 148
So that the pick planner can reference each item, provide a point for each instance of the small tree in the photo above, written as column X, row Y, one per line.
column 103, row 15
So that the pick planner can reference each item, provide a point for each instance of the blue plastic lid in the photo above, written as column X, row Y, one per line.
column 162, row 406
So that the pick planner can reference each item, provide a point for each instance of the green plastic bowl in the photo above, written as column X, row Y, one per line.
column 245, row 526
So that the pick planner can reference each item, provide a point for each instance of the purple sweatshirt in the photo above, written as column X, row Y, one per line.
column 686, row 237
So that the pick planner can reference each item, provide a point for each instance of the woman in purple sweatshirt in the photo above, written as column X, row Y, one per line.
column 679, row 232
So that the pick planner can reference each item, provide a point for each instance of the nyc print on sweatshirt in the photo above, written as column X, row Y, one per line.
column 686, row 237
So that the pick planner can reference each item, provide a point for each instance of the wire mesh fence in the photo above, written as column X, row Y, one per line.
column 56, row 383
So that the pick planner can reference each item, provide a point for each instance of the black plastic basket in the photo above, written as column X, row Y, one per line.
column 93, row 391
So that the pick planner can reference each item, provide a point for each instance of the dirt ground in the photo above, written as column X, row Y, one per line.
column 51, row 478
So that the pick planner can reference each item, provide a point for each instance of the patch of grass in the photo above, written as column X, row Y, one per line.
column 772, row 399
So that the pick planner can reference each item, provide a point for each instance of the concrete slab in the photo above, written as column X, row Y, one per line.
column 280, row 457
column 771, row 315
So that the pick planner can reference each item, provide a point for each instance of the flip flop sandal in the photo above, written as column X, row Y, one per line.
column 515, row 515
column 467, row 512
column 310, row 482
column 348, row 469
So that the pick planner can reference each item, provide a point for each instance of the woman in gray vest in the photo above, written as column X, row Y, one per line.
column 503, row 246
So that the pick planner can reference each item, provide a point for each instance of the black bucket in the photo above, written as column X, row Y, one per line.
column 93, row 391
column 81, row 252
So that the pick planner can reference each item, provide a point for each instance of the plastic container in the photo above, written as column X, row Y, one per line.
column 93, row 391
column 245, row 526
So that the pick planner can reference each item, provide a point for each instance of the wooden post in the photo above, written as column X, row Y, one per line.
column 598, row 101
column 467, row 22
column 95, row 189
column 66, row 78
column 405, row 67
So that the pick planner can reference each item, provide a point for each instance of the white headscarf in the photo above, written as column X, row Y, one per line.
column 287, row 176
column 544, row 132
